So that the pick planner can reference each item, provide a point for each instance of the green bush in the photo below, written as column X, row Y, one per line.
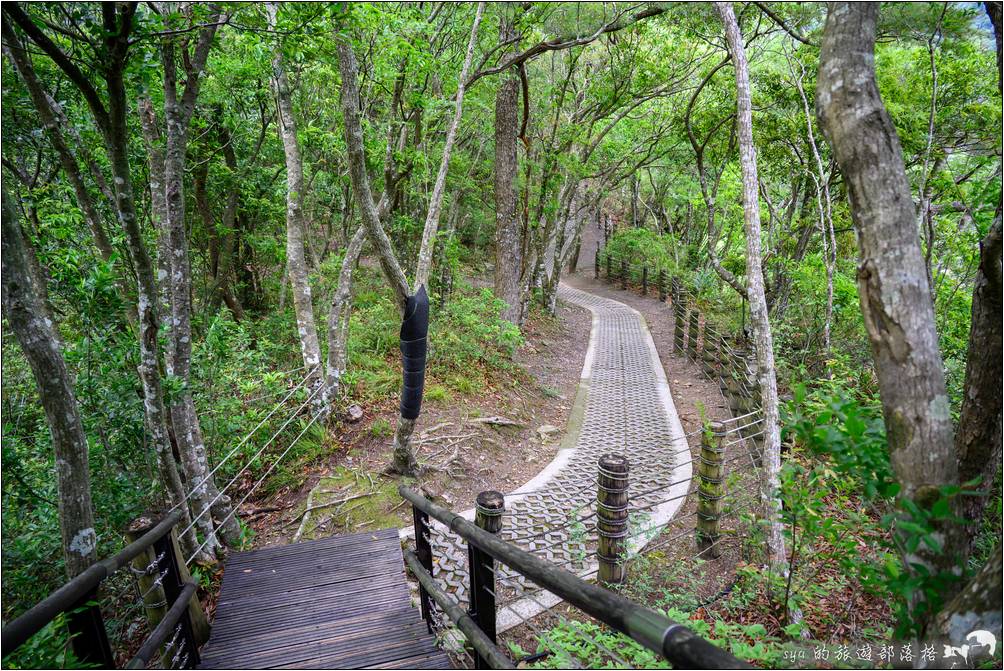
column 469, row 331
column 642, row 247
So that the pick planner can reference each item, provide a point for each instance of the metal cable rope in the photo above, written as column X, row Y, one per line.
column 666, row 525
column 529, row 595
column 541, row 636
column 257, row 454
column 648, row 506
column 241, row 444
column 234, row 509
column 259, row 383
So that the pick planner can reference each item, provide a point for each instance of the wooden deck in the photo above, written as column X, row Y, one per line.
column 339, row 602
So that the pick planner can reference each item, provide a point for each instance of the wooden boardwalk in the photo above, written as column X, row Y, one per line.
column 339, row 602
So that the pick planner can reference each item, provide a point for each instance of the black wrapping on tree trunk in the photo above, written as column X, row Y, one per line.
column 414, row 345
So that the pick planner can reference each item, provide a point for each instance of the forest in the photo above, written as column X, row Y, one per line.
column 265, row 263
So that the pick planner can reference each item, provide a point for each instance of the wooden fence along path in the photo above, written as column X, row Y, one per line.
column 338, row 602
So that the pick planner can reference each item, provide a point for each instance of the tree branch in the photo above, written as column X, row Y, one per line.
column 779, row 21
column 567, row 42
column 14, row 12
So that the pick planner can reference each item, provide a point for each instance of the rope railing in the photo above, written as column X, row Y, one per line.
column 246, row 402
column 244, row 440
column 249, row 462
column 255, row 486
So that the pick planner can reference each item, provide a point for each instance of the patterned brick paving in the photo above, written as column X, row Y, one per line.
column 628, row 410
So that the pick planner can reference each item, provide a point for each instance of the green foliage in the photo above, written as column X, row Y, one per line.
column 381, row 428
column 586, row 644
column 852, row 436
column 640, row 247
column 849, row 441
column 48, row 649
column 470, row 334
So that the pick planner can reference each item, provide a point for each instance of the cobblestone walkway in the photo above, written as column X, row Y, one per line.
column 623, row 405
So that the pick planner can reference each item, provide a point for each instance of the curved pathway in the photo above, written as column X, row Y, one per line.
column 623, row 405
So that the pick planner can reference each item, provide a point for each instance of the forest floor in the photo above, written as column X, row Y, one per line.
column 496, row 437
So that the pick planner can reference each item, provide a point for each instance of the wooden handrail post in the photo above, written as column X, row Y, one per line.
column 488, row 508
column 194, row 626
column 146, row 569
column 596, row 262
column 662, row 285
column 695, row 316
column 679, row 312
column 735, row 395
column 711, row 489
column 644, row 280
column 623, row 273
column 87, row 629
column 423, row 550
column 612, row 518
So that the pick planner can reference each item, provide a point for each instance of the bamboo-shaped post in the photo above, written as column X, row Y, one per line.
column 623, row 273
column 737, row 398
column 488, row 509
column 695, row 316
column 145, row 568
column 711, row 490
column 644, row 280
column 596, row 262
column 612, row 518
column 708, row 354
column 662, row 285
column 724, row 362
column 745, row 380
column 679, row 312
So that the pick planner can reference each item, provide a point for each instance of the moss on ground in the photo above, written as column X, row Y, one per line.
column 354, row 501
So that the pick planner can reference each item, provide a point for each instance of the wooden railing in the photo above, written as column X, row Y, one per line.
column 672, row 640
column 179, row 612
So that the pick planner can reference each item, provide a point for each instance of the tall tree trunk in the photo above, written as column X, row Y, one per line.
column 228, row 246
column 207, row 501
column 117, row 24
column 296, row 264
column 338, row 320
column 153, row 138
column 994, row 12
column 41, row 346
column 508, row 263
column 762, row 339
column 892, row 281
column 978, row 438
column 977, row 606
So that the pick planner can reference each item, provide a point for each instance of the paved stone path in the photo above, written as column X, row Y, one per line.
column 623, row 405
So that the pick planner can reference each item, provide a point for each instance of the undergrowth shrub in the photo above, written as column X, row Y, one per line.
column 640, row 246
column 849, row 491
